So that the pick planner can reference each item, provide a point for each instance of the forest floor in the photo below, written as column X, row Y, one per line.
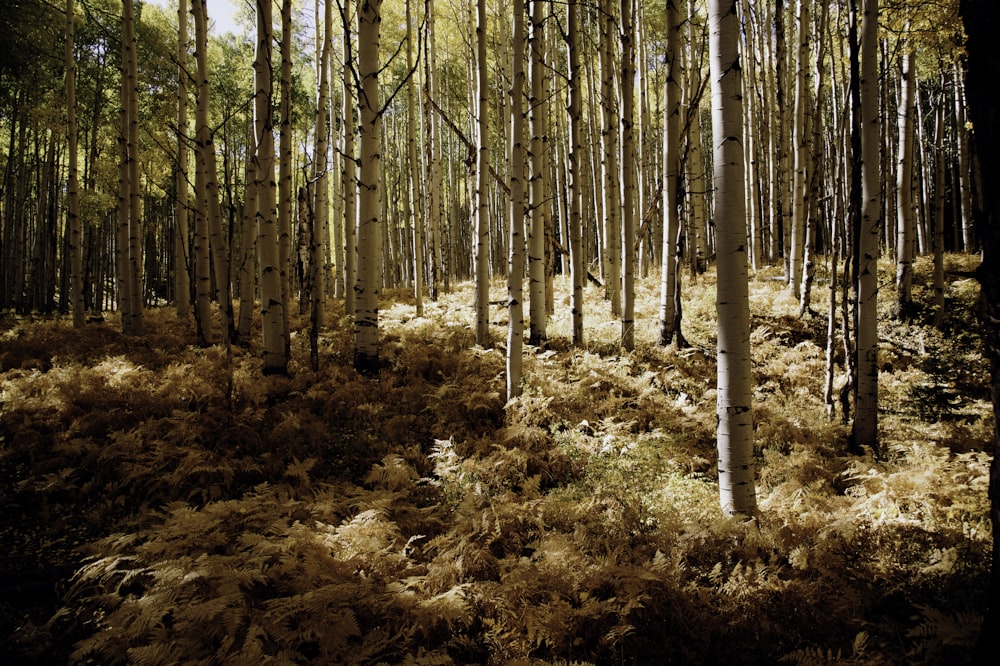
column 168, row 504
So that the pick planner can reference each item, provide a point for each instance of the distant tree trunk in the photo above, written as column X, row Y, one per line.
column 349, row 176
column 202, row 263
column 540, row 206
column 285, row 139
column 129, row 248
column 74, row 226
column 515, row 272
column 939, row 200
column 671, row 178
column 800, row 150
column 366, row 353
column 417, row 219
column 432, row 157
column 182, row 275
column 272, row 301
column 610, row 171
column 320, row 222
column 574, row 220
column 629, row 206
column 982, row 25
column 865, row 428
column 905, row 229
column 482, row 202
column 248, row 249
column 734, row 415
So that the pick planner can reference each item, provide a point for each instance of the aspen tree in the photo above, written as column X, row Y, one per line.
column 697, row 187
column 813, row 195
column 417, row 220
column 272, row 301
column 182, row 276
column 939, row 177
column 201, row 261
column 783, row 202
column 432, row 156
column 74, row 245
column 481, row 185
column 574, row 219
column 366, row 286
column 609, row 162
column 671, row 177
column 865, row 427
column 905, row 228
column 349, row 168
column 285, row 168
column 800, row 151
column 128, row 248
column 248, row 249
column 628, row 176
column 515, row 273
column 737, row 492
column 540, row 204
column 321, row 208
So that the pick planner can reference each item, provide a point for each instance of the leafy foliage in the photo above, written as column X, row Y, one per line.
column 415, row 518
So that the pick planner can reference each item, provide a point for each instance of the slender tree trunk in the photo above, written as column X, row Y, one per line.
column 905, row 230
column 540, row 205
column 417, row 218
column 349, row 179
column 272, row 301
column 482, row 210
column 182, row 275
column 366, row 289
column 610, row 163
column 628, row 177
column 735, row 381
column 515, row 272
column 74, row 227
column 800, row 148
column 939, row 199
column 574, row 219
column 321, row 207
column 248, row 249
column 865, row 427
column 432, row 157
column 671, row 177
column 285, row 140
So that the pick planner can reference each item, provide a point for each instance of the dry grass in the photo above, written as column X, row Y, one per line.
column 416, row 518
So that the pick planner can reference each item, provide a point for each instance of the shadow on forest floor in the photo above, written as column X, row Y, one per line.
column 415, row 517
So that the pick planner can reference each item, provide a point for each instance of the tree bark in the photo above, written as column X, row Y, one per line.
column 272, row 300
column 366, row 287
column 865, row 427
column 737, row 492
column 982, row 25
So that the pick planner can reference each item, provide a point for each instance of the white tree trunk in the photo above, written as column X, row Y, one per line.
column 367, row 284
column 515, row 272
column 272, row 302
column 574, row 219
column 629, row 193
column 905, row 228
column 671, row 178
column 735, row 382
column 540, row 205
column 182, row 276
column 865, row 428
column 481, row 203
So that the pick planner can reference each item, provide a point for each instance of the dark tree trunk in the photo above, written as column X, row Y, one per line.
column 982, row 22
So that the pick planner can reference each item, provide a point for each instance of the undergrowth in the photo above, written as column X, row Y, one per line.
column 416, row 518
